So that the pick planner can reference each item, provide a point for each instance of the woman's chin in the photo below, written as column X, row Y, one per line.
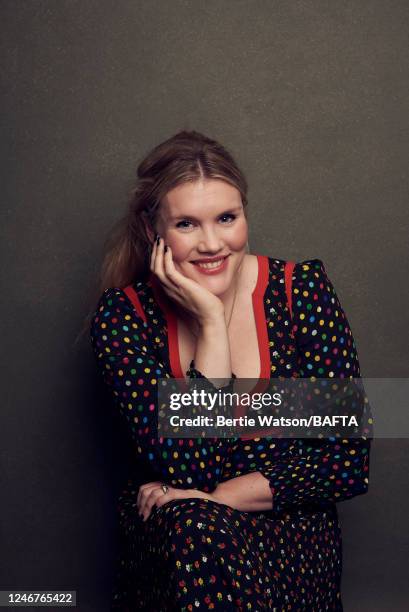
column 214, row 284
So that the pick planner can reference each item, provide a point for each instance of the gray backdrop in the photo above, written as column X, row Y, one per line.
column 311, row 98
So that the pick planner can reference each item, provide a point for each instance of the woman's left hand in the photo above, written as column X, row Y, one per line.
column 151, row 494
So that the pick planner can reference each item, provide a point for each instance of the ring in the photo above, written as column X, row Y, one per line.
column 165, row 488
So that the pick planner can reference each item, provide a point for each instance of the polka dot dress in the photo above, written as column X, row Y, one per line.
column 196, row 554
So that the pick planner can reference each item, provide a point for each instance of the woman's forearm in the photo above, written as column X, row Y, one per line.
column 249, row 493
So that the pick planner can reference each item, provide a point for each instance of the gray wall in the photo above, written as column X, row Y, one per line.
column 311, row 97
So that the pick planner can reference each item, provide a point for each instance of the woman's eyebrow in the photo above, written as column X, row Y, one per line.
column 225, row 212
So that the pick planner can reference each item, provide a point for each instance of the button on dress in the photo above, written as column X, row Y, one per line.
column 197, row 554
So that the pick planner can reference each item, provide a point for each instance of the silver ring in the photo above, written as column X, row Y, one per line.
column 165, row 488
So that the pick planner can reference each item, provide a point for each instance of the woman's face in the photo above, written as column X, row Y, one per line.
column 204, row 221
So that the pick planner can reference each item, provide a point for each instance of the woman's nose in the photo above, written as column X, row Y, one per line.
column 210, row 241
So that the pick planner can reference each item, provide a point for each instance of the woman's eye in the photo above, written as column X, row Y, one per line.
column 229, row 216
column 183, row 224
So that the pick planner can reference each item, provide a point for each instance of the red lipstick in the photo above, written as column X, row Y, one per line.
column 210, row 268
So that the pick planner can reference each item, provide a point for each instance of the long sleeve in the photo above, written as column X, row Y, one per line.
column 332, row 469
column 129, row 363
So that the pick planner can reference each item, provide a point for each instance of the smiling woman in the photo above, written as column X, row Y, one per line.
column 204, row 224
column 182, row 297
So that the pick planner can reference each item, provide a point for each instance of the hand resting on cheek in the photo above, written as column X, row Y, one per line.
column 187, row 293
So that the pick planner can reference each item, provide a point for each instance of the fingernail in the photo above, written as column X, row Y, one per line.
column 158, row 240
column 166, row 248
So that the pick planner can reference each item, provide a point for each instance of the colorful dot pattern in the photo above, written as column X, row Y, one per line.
column 197, row 554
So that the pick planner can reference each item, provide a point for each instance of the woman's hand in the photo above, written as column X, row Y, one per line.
column 198, row 301
column 151, row 494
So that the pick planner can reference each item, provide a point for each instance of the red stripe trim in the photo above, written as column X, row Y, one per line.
column 288, row 279
column 133, row 297
column 259, row 315
column 171, row 320
column 174, row 345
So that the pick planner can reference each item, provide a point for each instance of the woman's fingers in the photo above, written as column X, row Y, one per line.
column 142, row 488
column 177, row 278
column 150, row 499
column 183, row 290
column 159, row 266
column 163, row 267
column 153, row 495
column 145, row 489
column 170, row 269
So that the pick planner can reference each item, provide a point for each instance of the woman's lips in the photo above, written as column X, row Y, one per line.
column 212, row 268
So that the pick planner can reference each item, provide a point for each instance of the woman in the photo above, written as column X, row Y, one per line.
column 220, row 524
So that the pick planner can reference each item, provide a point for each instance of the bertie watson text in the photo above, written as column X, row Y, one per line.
column 255, row 401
